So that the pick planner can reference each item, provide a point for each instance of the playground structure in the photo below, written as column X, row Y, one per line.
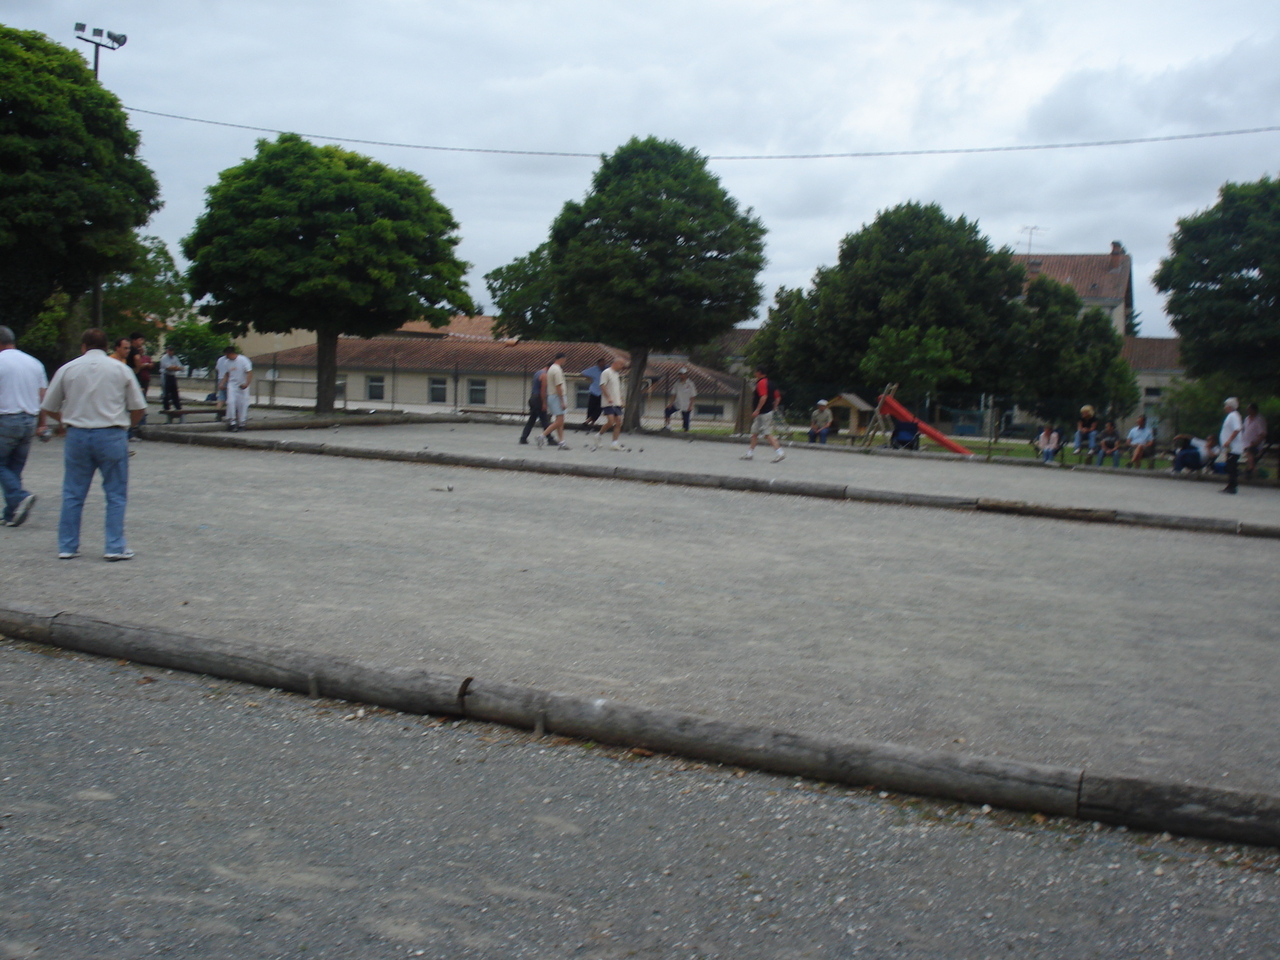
column 888, row 410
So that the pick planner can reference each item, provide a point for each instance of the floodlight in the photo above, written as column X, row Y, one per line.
column 80, row 28
column 97, row 31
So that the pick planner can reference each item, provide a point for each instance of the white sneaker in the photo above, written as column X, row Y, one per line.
column 747, row 456
column 127, row 555
column 615, row 445
column 779, row 456
column 541, row 440
column 563, row 446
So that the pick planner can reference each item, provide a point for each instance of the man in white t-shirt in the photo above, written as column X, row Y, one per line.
column 683, row 394
column 22, row 386
column 236, row 377
column 1232, row 439
column 611, row 403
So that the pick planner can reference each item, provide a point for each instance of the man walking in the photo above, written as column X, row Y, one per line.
column 762, row 418
column 682, row 402
column 95, row 400
column 237, row 375
column 611, row 403
column 22, row 387
column 537, row 409
column 594, row 403
column 556, row 403
column 170, row 367
column 1231, row 438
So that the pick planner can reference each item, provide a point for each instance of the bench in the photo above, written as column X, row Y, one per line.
column 190, row 411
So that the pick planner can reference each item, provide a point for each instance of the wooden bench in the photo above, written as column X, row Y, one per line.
column 190, row 411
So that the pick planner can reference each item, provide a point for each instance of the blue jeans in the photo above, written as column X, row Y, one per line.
column 105, row 450
column 1114, row 455
column 1091, row 436
column 16, row 431
column 819, row 435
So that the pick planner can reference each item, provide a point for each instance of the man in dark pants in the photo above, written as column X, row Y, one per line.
column 170, row 367
column 537, row 409
column 1232, row 440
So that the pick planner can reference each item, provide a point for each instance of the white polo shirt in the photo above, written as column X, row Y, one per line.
column 94, row 391
column 21, row 380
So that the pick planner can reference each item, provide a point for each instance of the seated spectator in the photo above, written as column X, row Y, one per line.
column 1048, row 443
column 820, row 422
column 1212, row 462
column 1087, row 429
column 1109, row 444
column 1255, row 436
column 1188, row 453
column 1141, row 442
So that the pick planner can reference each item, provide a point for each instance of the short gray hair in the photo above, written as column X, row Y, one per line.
column 1232, row 403
column 6, row 336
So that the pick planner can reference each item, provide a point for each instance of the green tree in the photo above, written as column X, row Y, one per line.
column 197, row 343
column 72, row 189
column 1222, row 278
column 917, row 360
column 301, row 237
column 147, row 297
column 913, row 267
column 656, row 257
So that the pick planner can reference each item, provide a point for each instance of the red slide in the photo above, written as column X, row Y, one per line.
column 896, row 410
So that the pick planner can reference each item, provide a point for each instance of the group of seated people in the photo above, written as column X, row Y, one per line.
column 1139, row 445
column 1192, row 453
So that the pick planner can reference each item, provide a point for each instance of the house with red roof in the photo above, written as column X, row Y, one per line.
column 1100, row 279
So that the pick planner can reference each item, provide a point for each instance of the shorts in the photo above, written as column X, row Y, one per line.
column 762, row 425
column 555, row 406
column 611, row 411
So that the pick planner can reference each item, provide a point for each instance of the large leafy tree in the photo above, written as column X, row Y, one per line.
column 658, row 256
column 300, row 237
column 147, row 297
column 72, row 188
column 1222, row 278
column 912, row 268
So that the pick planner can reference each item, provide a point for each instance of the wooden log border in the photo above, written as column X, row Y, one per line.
column 776, row 485
column 1190, row 810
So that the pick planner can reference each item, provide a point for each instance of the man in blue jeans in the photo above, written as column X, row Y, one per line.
column 96, row 400
column 22, row 385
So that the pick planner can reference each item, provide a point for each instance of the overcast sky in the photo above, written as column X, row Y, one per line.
column 728, row 77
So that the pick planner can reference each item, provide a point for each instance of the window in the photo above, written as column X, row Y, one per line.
column 1153, row 392
column 476, row 390
column 582, row 397
column 437, row 390
column 375, row 387
column 709, row 409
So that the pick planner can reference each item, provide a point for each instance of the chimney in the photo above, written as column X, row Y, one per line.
column 1117, row 251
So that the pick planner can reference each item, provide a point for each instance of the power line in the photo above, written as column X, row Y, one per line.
column 856, row 155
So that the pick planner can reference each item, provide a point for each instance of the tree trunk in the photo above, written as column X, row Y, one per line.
column 326, row 369
column 635, row 390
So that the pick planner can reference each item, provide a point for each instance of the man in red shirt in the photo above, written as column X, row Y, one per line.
column 762, row 418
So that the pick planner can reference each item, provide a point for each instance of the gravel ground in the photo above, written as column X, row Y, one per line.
column 1146, row 652
column 148, row 814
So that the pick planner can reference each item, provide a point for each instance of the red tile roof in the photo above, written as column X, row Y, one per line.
column 466, row 355
column 459, row 326
column 1094, row 276
column 1152, row 353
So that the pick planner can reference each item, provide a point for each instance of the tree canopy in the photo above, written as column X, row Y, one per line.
column 658, row 256
column 922, row 299
column 1222, row 278
column 300, row 237
column 72, row 188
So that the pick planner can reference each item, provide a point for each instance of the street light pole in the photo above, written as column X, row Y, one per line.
column 113, row 41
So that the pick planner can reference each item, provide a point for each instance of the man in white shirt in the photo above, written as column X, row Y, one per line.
column 1232, row 439
column 95, row 400
column 557, row 403
column 682, row 402
column 611, row 403
column 170, row 369
column 22, row 386
column 237, row 374
column 1141, row 442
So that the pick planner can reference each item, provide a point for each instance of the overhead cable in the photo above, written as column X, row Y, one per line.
column 854, row 155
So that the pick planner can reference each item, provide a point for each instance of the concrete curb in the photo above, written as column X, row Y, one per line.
column 1190, row 810
column 798, row 488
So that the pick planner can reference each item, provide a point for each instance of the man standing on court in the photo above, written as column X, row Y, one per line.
column 170, row 367
column 682, row 401
column 1231, row 438
column 611, row 402
column 95, row 400
column 762, row 418
column 556, row 403
column 237, row 375
column 537, row 409
column 22, row 387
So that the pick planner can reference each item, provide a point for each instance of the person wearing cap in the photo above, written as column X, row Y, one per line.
column 556, row 403
column 682, row 401
column 820, row 422
column 1232, row 438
